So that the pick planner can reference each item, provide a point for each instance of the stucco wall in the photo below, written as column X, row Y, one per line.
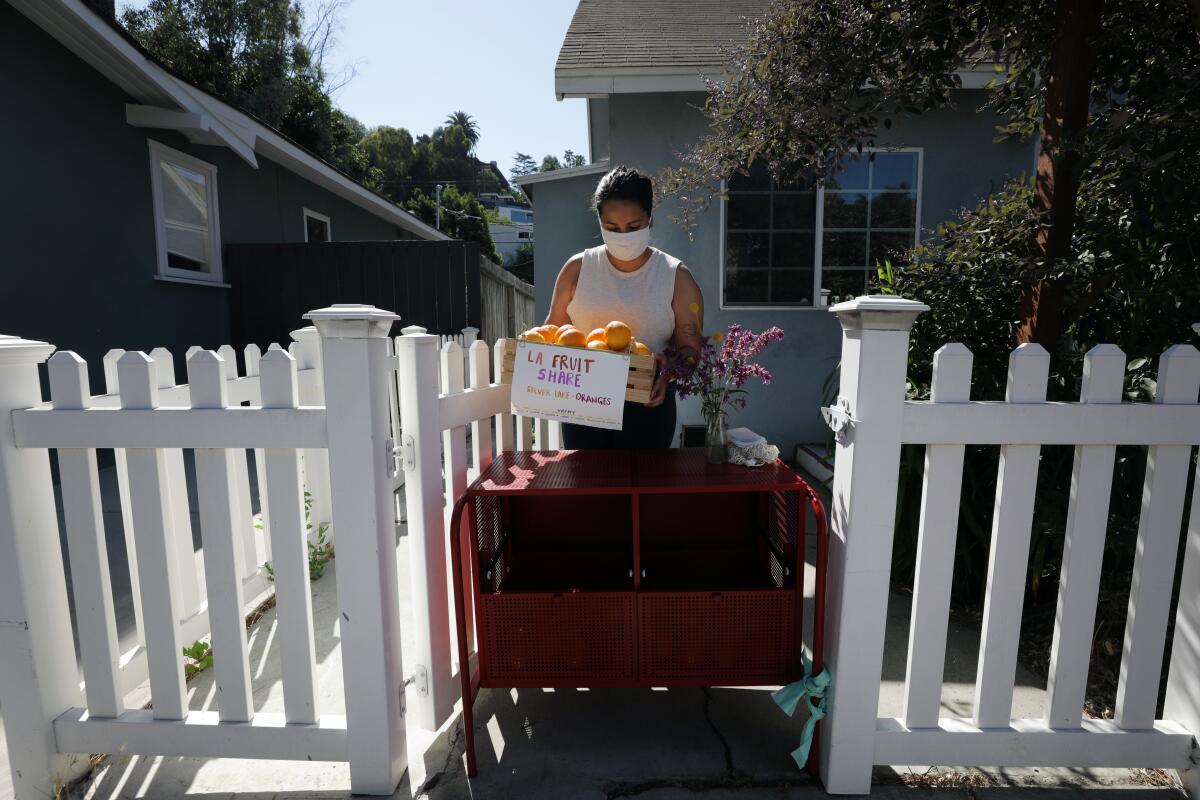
column 961, row 165
column 77, row 220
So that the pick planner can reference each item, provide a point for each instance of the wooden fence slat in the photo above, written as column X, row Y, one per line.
column 84, row 522
column 222, row 524
column 504, row 422
column 1163, row 497
column 1012, row 520
column 454, row 453
column 524, row 432
column 481, row 429
column 456, row 285
column 154, row 540
column 289, row 548
column 251, row 563
column 189, row 578
column 940, row 494
column 474, row 300
column 111, row 384
column 253, row 367
column 1083, row 549
column 543, row 434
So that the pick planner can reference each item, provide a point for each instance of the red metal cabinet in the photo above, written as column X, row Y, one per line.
column 632, row 568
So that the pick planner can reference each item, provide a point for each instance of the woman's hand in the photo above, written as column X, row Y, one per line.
column 658, row 392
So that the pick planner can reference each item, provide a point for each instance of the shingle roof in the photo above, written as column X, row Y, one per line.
column 654, row 33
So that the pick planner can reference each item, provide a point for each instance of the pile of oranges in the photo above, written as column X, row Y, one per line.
column 615, row 336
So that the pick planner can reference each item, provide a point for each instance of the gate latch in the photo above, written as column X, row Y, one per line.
column 838, row 418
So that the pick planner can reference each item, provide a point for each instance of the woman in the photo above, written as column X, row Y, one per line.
column 626, row 279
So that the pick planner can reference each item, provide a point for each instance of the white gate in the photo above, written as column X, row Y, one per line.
column 878, row 421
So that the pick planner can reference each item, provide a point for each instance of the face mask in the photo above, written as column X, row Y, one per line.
column 626, row 246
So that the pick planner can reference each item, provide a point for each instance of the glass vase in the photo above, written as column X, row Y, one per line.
column 714, row 439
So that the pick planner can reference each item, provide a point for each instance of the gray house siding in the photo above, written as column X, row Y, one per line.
column 961, row 164
column 79, row 263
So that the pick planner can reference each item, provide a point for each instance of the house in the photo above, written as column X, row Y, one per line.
column 517, row 228
column 764, row 256
column 123, row 183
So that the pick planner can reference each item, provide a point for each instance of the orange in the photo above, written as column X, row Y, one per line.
column 618, row 335
column 551, row 331
column 596, row 344
column 641, row 349
column 597, row 334
column 533, row 336
column 571, row 337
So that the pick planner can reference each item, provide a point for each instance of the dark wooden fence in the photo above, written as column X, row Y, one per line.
column 432, row 284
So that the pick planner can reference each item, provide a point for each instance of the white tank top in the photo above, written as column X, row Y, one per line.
column 641, row 298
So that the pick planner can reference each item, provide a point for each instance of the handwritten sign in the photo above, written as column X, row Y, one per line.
column 570, row 384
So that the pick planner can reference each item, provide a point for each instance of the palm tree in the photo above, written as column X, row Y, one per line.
column 467, row 123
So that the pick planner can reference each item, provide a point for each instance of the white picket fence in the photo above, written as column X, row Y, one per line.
column 874, row 359
column 352, row 415
column 346, row 447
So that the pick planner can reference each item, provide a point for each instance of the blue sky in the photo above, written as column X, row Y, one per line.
column 416, row 61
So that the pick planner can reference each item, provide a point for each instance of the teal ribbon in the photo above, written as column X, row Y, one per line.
column 811, row 688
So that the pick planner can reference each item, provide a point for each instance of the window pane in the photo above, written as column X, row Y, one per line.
column 793, row 287
column 187, row 248
column 854, row 176
column 745, row 285
column 893, row 210
column 844, row 284
column 318, row 229
column 746, row 250
column 845, row 210
column 185, row 196
column 796, row 210
column 758, row 178
column 792, row 250
column 889, row 245
column 895, row 171
column 844, row 250
column 748, row 211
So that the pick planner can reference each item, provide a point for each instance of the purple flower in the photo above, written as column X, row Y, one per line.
column 717, row 375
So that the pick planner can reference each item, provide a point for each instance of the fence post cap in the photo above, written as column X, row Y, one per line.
column 15, row 350
column 471, row 328
column 352, row 321
column 413, row 330
column 307, row 333
column 879, row 312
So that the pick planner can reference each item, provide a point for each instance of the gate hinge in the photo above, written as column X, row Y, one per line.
column 838, row 418
column 402, row 457
column 419, row 679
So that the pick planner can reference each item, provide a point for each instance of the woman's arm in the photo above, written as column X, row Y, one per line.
column 688, row 305
column 564, row 290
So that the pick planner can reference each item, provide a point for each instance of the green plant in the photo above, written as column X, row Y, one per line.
column 320, row 553
column 196, row 658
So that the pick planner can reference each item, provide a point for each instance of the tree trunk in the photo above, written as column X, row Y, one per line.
column 1068, row 90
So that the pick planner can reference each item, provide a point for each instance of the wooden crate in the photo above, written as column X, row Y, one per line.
column 637, row 388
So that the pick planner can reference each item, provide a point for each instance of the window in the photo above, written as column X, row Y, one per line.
column 807, row 245
column 185, row 215
column 316, row 227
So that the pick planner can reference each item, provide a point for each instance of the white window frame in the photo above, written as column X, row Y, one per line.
column 160, row 152
column 818, row 234
column 309, row 213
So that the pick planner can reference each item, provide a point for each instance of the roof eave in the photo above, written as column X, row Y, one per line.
column 168, row 103
column 601, row 81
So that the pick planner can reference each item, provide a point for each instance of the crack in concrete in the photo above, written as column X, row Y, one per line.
column 727, row 781
column 729, row 770
column 433, row 780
